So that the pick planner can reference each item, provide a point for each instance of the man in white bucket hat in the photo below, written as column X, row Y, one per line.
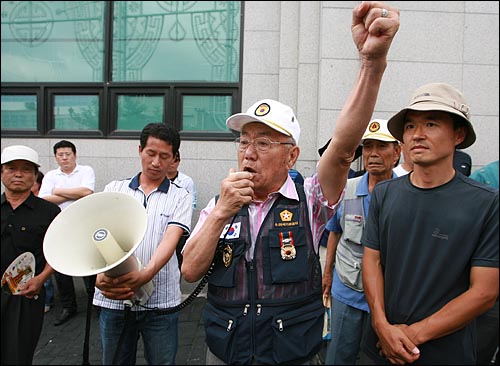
column 25, row 219
column 430, row 262
column 264, row 294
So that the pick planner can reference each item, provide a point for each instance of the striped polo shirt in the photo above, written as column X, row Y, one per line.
column 168, row 205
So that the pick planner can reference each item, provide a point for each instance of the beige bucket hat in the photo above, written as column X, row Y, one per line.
column 436, row 97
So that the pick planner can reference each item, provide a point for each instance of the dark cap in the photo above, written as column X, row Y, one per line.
column 357, row 154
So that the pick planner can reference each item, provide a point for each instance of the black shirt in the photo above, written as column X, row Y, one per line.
column 24, row 228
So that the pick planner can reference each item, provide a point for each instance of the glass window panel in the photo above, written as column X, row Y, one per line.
column 19, row 112
column 76, row 112
column 205, row 112
column 44, row 41
column 176, row 41
column 134, row 112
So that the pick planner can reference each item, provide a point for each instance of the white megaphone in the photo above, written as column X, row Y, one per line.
column 98, row 233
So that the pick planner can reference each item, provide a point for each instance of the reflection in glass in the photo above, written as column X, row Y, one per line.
column 134, row 112
column 205, row 112
column 176, row 40
column 76, row 112
column 19, row 112
column 46, row 41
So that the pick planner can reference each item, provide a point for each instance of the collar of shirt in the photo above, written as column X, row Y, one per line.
column 134, row 183
column 30, row 201
column 362, row 189
column 288, row 190
column 60, row 172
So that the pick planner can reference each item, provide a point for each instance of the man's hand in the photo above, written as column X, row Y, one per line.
column 116, row 288
column 373, row 29
column 236, row 191
column 31, row 288
column 395, row 345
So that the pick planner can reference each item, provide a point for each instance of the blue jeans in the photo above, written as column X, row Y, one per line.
column 348, row 324
column 158, row 331
column 49, row 290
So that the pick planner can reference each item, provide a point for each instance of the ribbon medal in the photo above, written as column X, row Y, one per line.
column 287, row 245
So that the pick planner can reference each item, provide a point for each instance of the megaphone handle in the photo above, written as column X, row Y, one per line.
column 90, row 297
column 126, row 318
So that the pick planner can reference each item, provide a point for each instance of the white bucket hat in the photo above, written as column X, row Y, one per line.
column 19, row 152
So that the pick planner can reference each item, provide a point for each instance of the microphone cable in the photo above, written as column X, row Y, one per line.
column 128, row 303
column 203, row 281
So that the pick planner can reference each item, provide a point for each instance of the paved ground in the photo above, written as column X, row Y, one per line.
column 64, row 345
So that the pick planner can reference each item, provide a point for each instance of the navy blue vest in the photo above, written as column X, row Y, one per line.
column 269, row 309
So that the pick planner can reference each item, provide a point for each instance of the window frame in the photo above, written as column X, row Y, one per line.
column 133, row 90
column 208, row 91
column 51, row 93
column 40, row 111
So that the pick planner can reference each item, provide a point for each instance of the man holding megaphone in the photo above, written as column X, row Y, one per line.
column 169, row 210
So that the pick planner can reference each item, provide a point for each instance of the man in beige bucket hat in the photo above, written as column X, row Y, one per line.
column 430, row 263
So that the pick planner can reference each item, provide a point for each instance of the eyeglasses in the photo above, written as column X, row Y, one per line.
column 261, row 144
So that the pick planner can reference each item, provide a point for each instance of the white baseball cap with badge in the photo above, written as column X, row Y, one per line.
column 276, row 115
column 19, row 152
column 377, row 130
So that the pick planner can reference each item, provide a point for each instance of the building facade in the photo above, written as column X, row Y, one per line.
column 195, row 63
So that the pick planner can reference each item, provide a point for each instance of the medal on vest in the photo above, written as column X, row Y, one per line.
column 227, row 255
column 288, row 251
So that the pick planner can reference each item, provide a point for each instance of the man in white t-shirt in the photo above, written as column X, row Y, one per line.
column 63, row 186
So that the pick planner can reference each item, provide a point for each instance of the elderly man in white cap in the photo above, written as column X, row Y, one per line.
column 430, row 263
column 260, row 236
column 25, row 219
column 349, row 309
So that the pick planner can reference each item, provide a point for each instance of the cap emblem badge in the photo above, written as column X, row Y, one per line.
column 374, row 127
column 262, row 109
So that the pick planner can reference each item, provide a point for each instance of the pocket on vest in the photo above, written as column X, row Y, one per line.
column 349, row 272
column 353, row 230
column 297, row 334
column 220, row 330
column 287, row 270
column 223, row 276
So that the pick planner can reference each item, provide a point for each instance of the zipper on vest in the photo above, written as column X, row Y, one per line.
column 280, row 324
column 252, row 290
column 245, row 310
column 259, row 309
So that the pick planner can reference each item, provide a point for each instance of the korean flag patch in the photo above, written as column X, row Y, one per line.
column 233, row 232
